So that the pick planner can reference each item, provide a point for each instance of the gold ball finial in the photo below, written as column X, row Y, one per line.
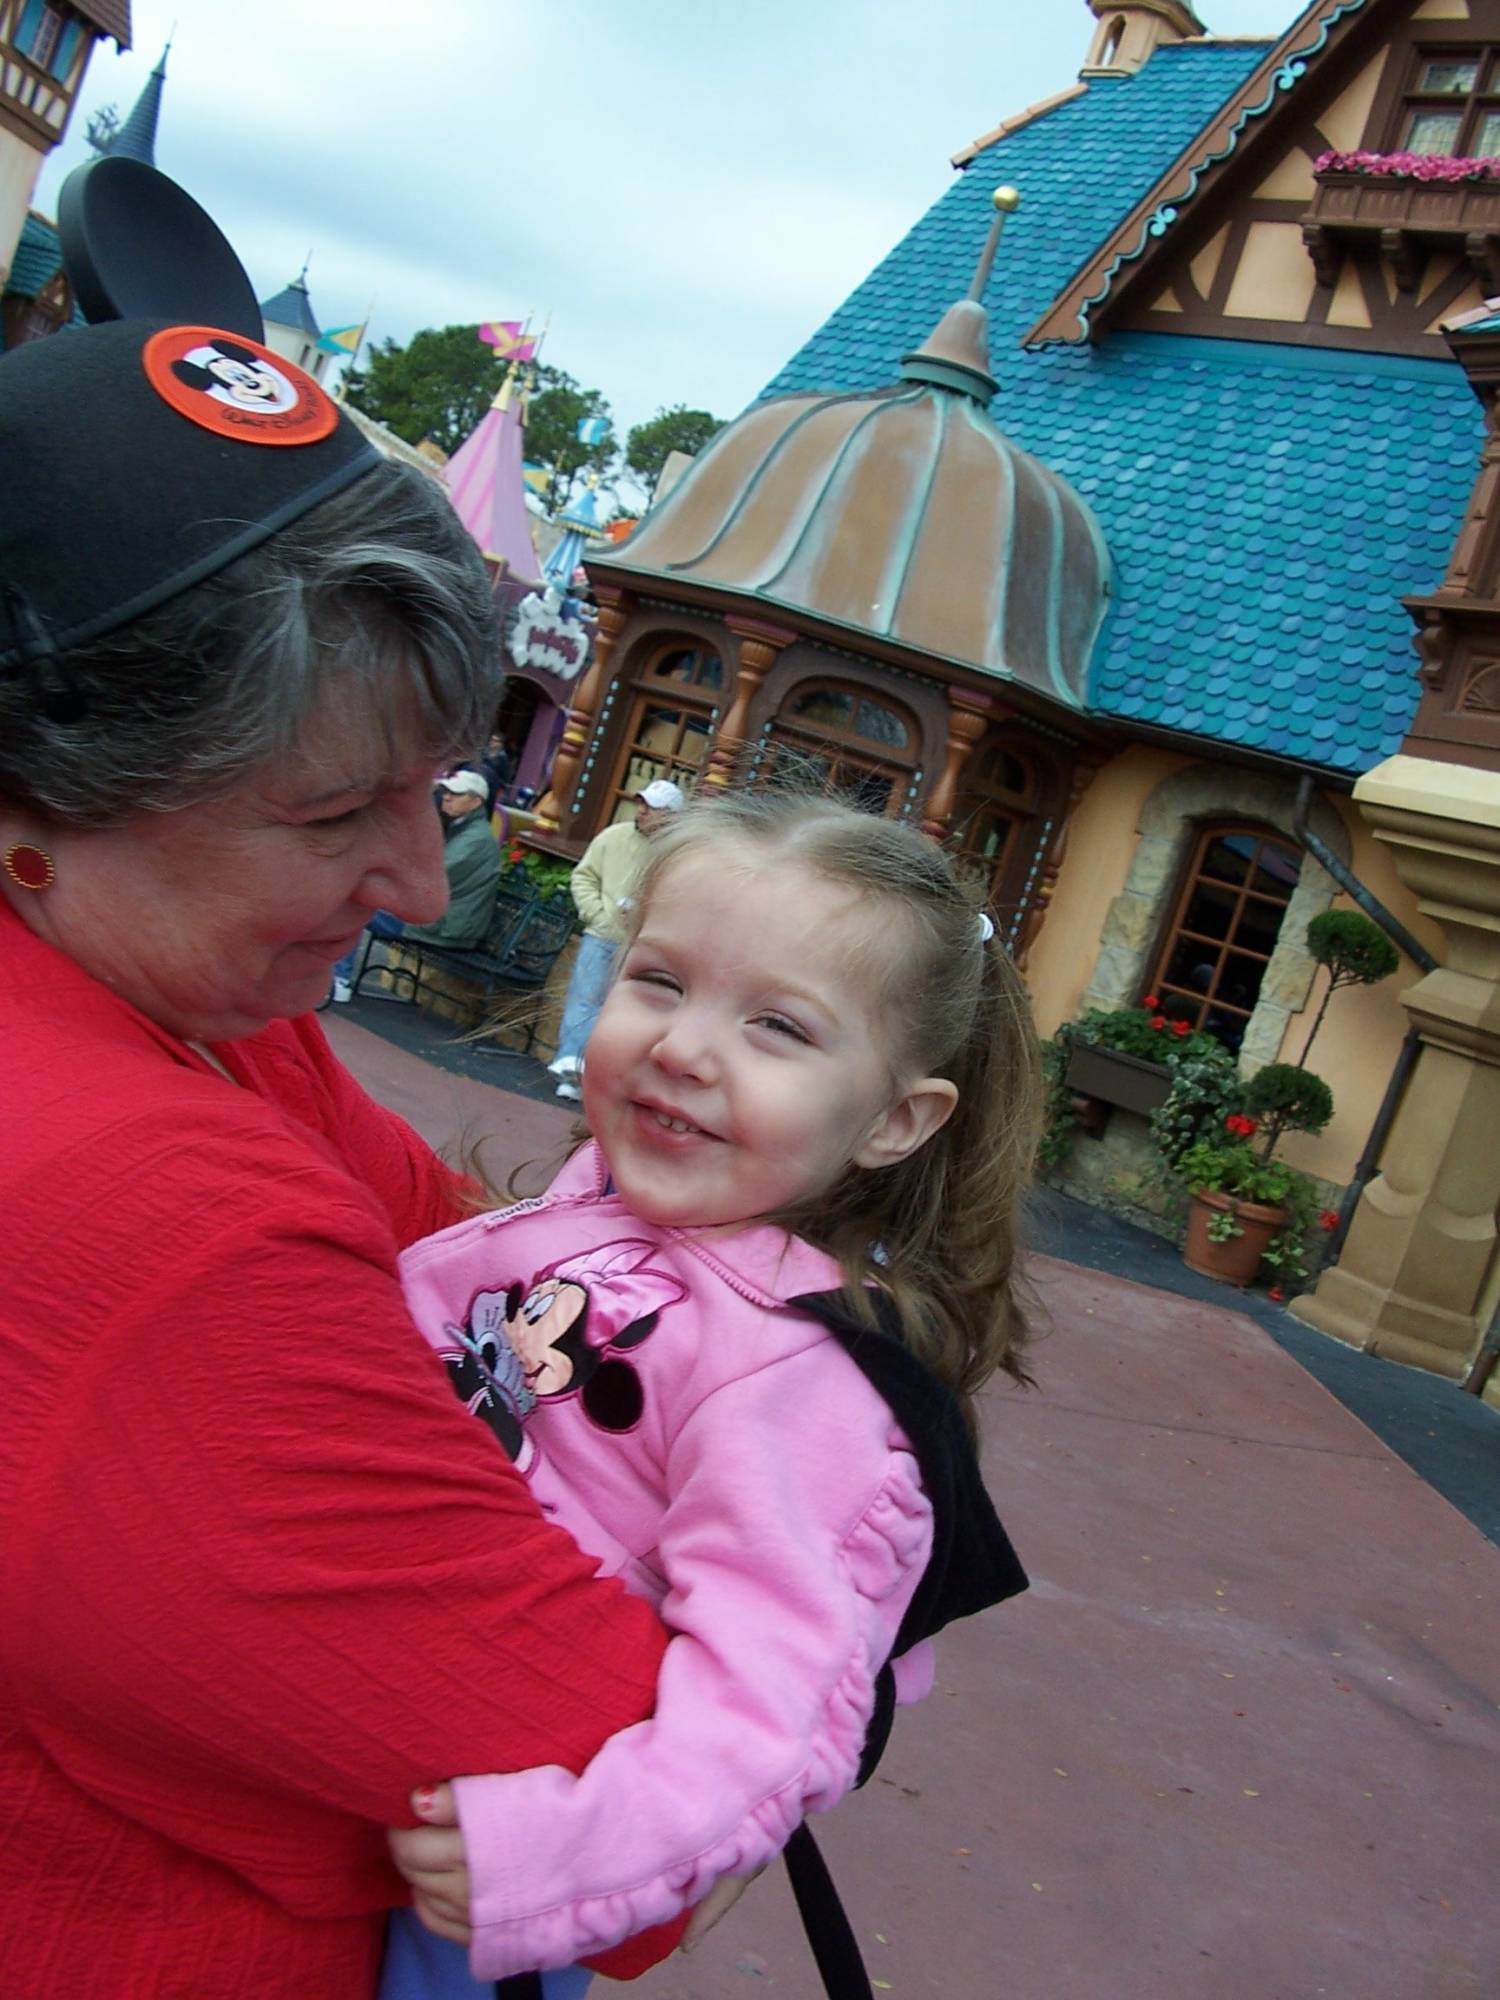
column 1007, row 199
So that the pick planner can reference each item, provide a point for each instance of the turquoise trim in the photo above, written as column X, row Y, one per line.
column 1284, row 79
column 31, row 20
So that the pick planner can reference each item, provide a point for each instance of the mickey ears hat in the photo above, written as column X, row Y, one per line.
column 146, row 451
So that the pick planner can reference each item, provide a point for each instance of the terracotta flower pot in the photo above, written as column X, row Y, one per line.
column 1236, row 1261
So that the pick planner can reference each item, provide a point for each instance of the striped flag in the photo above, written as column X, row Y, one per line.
column 592, row 430
column 509, row 339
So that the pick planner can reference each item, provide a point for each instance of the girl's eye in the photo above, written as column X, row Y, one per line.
column 645, row 976
column 780, row 1025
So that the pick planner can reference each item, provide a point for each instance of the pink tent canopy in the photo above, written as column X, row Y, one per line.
column 484, row 483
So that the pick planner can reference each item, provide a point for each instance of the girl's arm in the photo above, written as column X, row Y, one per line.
column 795, row 1538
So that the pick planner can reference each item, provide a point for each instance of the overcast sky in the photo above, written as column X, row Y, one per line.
column 688, row 187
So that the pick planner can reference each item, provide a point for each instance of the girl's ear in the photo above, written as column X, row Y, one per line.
column 923, row 1108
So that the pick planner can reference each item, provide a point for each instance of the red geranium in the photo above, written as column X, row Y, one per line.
column 1328, row 1218
column 1241, row 1126
column 1158, row 1021
column 1276, row 1293
column 1151, row 1001
column 516, row 854
column 1181, row 1028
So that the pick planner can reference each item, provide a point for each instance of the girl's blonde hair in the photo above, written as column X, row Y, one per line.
column 939, row 1232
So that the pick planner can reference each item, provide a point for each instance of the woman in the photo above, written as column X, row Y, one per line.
column 261, row 1574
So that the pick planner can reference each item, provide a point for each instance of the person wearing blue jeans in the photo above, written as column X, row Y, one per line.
column 603, row 886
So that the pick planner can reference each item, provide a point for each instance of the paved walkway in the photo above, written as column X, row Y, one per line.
column 1240, row 1740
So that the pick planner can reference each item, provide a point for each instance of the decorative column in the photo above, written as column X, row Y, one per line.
column 1085, row 770
column 969, row 716
column 614, row 608
column 759, row 646
column 1416, row 1279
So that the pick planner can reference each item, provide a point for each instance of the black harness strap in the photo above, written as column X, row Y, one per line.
column 828, row 1929
column 519, row 1986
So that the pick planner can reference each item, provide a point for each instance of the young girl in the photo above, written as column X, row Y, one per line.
column 735, row 1347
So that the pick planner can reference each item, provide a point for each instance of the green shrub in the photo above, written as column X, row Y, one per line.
column 1283, row 1097
column 1356, row 950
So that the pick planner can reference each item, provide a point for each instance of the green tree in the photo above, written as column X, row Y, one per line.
column 1355, row 950
column 437, row 386
column 558, row 405
column 679, row 429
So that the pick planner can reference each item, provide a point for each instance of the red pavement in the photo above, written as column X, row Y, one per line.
column 1241, row 1739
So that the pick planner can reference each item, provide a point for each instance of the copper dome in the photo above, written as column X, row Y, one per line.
column 905, row 514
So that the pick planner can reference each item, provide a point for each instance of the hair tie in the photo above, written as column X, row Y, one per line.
column 986, row 928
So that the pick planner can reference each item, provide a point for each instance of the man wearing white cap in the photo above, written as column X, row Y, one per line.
column 603, row 886
column 471, row 861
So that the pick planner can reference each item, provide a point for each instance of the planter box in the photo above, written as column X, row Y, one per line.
column 1115, row 1078
column 1405, row 218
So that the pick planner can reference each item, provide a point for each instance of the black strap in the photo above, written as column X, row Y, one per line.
column 519, row 1986
column 828, row 1930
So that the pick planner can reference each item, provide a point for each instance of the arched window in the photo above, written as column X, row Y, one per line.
column 1228, row 915
column 1109, row 44
column 995, row 828
column 841, row 739
column 673, row 699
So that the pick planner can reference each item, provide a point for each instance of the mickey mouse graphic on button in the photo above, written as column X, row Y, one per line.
column 558, row 1336
column 228, row 383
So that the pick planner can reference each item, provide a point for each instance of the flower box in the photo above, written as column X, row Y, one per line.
column 1112, row 1077
column 1402, row 214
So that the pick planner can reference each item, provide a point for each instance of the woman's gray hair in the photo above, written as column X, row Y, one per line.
column 376, row 593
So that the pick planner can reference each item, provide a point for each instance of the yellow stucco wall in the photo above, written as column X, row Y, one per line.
column 1361, row 1034
column 1100, row 846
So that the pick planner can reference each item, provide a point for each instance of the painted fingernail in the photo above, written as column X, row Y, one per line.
column 424, row 1801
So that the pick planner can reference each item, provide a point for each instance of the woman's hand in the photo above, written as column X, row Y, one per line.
column 432, row 1859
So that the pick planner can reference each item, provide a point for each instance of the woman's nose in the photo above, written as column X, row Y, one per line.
column 408, row 877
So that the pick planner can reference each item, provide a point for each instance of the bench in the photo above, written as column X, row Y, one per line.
column 525, row 937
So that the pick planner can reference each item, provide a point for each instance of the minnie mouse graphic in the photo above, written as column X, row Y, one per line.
column 560, row 1336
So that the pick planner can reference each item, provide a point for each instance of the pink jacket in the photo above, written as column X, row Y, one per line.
column 723, row 1455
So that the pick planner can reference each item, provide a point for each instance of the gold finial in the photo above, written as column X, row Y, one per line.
column 1005, row 201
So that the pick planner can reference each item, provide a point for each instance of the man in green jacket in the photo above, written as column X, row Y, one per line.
column 471, row 860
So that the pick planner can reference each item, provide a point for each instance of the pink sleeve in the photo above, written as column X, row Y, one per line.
column 796, row 1537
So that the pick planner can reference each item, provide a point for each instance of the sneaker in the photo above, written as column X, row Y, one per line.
column 342, row 990
column 570, row 1091
column 564, row 1066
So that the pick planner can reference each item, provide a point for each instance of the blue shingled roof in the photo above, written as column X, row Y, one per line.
column 37, row 260
column 1266, row 505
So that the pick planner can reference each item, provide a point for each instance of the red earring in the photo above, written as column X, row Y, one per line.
column 29, row 867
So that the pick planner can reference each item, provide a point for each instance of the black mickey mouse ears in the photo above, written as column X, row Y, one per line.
column 146, row 451
column 137, row 246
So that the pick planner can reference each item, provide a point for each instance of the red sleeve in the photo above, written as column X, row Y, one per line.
column 267, row 1574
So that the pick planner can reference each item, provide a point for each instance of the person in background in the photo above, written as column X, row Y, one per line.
column 603, row 885
column 499, row 767
column 471, row 861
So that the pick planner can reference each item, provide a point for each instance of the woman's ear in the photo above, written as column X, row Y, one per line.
column 923, row 1108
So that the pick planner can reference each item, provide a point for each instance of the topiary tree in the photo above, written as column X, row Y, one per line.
column 1355, row 950
column 1284, row 1097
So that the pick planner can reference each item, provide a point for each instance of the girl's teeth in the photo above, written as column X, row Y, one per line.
column 673, row 1124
